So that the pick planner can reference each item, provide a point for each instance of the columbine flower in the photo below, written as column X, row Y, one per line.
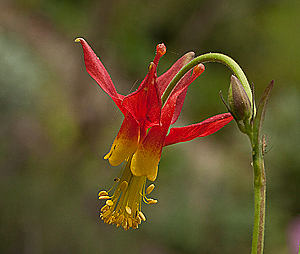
column 144, row 132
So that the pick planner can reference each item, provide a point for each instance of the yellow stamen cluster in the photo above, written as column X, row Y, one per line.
column 123, row 208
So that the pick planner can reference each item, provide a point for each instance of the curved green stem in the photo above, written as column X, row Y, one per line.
column 210, row 57
column 252, row 128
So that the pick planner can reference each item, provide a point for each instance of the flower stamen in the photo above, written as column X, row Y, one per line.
column 150, row 188
column 123, row 208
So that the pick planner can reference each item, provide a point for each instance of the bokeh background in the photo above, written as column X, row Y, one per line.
column 56, row 125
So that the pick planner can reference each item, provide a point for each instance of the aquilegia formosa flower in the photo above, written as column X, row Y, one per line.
column 144, row 132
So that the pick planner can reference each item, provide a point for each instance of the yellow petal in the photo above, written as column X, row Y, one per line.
column 146, row 158
column 125, row 143
column 145, row 163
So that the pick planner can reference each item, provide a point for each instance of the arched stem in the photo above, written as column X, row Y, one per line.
column 252, row 129
column 210, row 57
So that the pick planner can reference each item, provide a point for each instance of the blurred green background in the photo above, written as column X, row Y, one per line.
column 57, row 124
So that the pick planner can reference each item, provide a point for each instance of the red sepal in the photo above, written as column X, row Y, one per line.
column 203, row 129
column 98, row 72
column 145, row 104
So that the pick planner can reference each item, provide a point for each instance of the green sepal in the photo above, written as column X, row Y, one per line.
column 239, row 102
column 261, row 110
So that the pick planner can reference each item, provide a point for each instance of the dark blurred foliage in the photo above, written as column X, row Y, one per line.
column 56, row 124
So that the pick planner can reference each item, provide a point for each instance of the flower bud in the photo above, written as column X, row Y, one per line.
column 239, row 103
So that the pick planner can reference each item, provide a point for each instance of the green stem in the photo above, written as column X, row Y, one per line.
column 259, row 195
column 252, row 130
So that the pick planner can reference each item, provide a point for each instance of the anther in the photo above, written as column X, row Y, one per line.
column 106, row 220
column 142, row 216
column 104, row 197
column 151, row 201
column 103, row 193
column 124, row 225
column 138, row 220
column 150, row 188
column 104, row 208
column 128, row 209
column 106, row 214
column 120, row 219
column 110, row 220
column 129, row 220
column 135, row 224
column 109, row 202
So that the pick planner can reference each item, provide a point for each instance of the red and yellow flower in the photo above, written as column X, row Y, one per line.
column 144, row 132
